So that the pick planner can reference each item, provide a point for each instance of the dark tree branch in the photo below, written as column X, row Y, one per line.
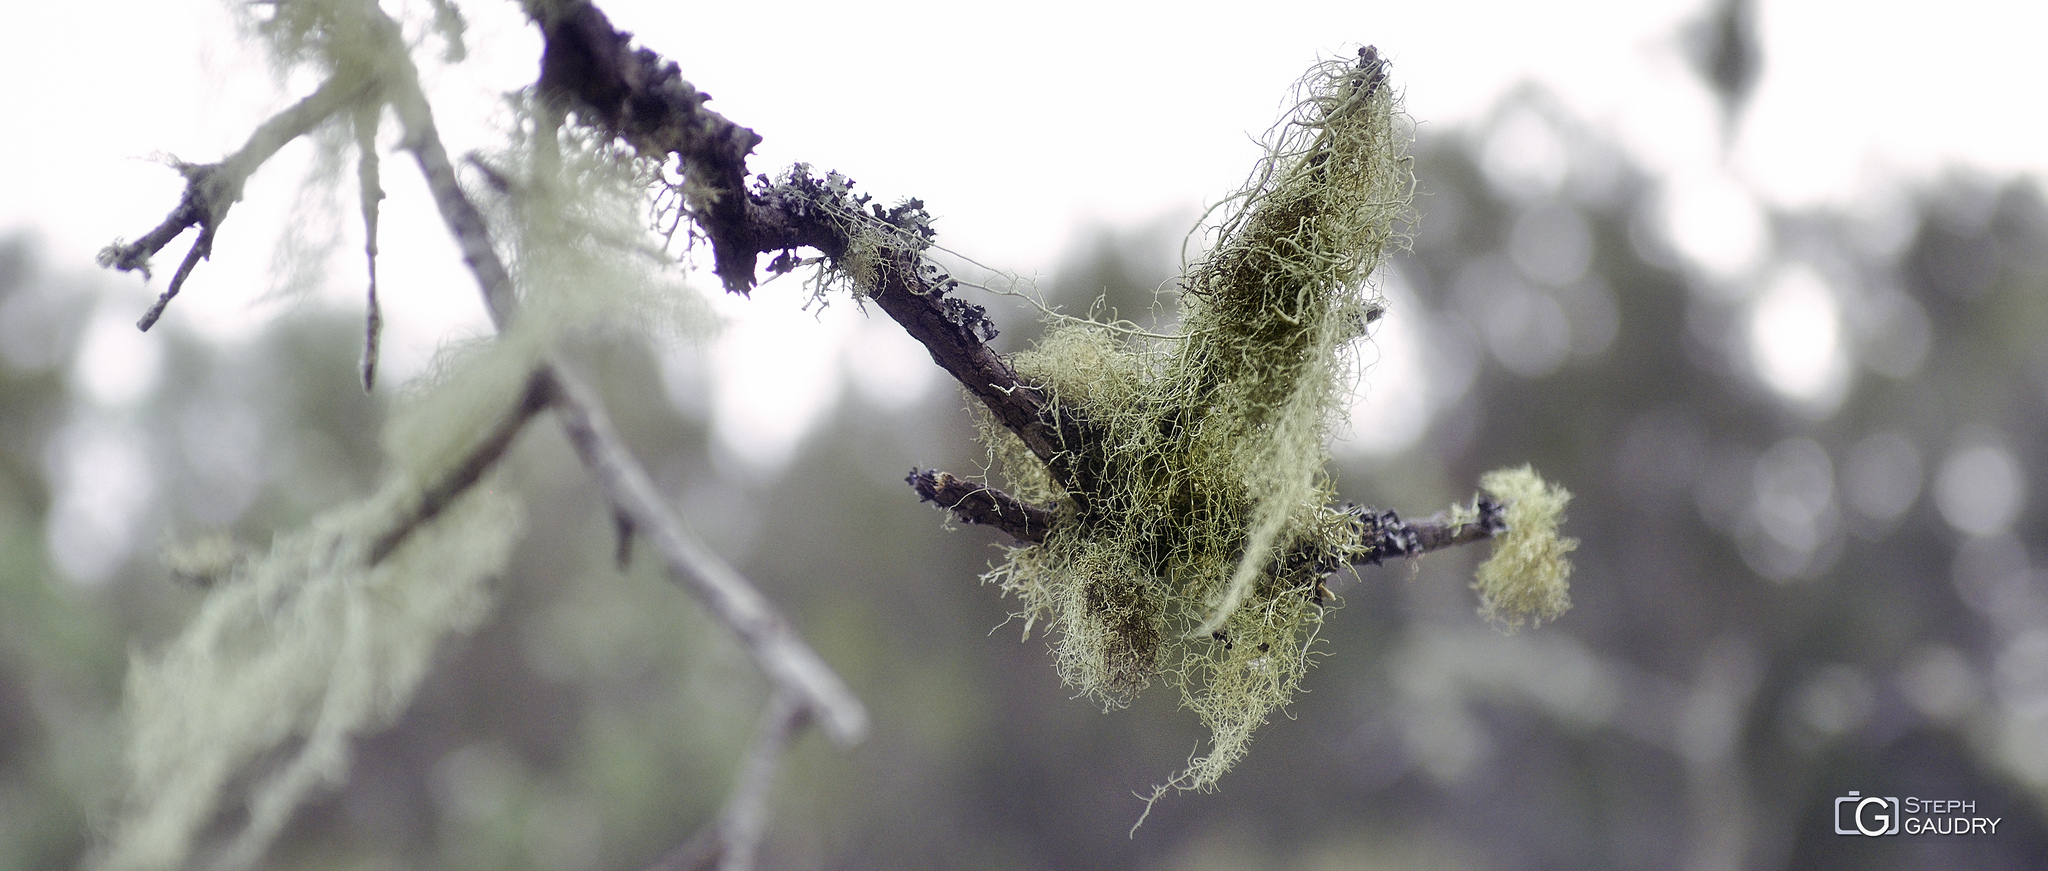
column 956, row 334
column 984, row 505
column 1383, row 535
column 1386, row 535
column 643, row 100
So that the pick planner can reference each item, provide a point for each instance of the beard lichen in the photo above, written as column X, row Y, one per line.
column 1181, row 563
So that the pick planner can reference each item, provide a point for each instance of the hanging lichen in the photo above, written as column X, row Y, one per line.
column 1195, row 513
column 1212, row 461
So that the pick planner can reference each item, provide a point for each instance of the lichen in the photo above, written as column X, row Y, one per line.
column 1527, row 578
column 290, row 657
column 1212, row 460
column 296, row 652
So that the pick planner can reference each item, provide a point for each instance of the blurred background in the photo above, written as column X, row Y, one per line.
column 1802, row 409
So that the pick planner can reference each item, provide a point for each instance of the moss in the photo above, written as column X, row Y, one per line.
column 1213, row 459
column 1527, row 578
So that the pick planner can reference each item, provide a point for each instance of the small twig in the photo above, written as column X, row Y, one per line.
column 201, row 249
column 464, row 222
column 1386, row 535
column 985, row 505
column 211, row 188
column 622, row 552
column 372, row 194
column 746, row 812
column 1383, row 534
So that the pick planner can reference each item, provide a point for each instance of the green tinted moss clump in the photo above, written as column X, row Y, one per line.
column 1212, row 460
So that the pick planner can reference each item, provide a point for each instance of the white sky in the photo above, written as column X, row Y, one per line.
column 1017, row 126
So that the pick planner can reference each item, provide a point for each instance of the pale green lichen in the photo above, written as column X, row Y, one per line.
column 1212, row 441
column 574, row 211
column 299, row 651
column 296, row 652
column 1527, row 580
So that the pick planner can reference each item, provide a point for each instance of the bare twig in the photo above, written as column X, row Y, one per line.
column 985, row 505
column 464, row 222
column 1385, row 535
column 372, row 192
column 746, row 811
column 211, row 188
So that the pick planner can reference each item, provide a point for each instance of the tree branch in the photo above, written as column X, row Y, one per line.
column 1385, row 535
column 731, row 841
column 774, row 646
column 464, row 222
column 644, row 101
column 211, row 188
column 984, row 505
column 486, row 453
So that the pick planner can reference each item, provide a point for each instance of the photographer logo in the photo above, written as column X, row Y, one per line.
column 1878, row 816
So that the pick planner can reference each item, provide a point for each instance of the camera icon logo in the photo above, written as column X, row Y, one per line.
column 1870, row 815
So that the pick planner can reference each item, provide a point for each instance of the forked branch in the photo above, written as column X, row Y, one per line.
column 643, row 100
column 211, row 188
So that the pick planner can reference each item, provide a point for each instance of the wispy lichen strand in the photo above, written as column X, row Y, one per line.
column 305, row 647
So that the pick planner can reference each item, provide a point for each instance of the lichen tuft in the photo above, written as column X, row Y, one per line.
column 1212, row 466
column 1527, row 580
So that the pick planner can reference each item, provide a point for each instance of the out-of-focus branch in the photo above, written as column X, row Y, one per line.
column 773, row 644
column 211, row 188
column 731, row 842
column 464, row 222
column 486, row 453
